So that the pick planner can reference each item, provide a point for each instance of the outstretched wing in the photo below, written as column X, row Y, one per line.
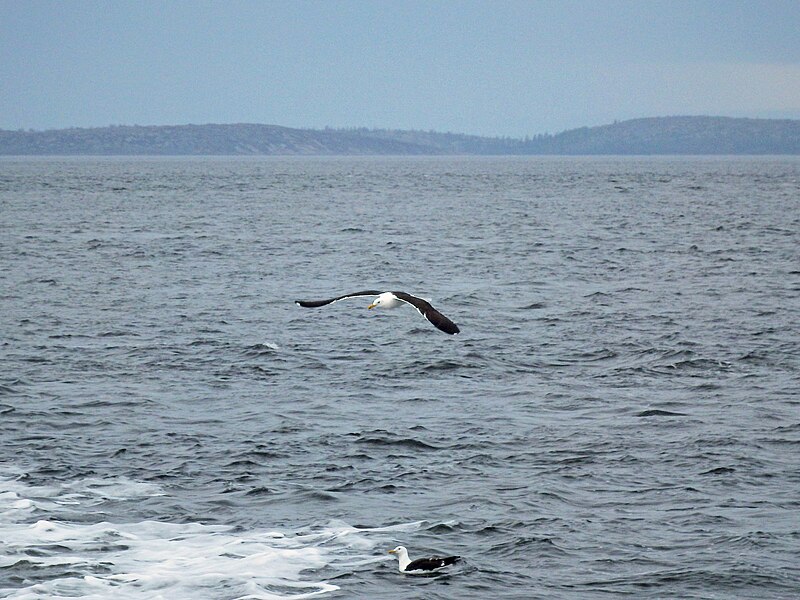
column 431, row 564
column 316, row 303
column 436, row 318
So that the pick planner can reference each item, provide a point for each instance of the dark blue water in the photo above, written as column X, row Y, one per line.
column 620, row 415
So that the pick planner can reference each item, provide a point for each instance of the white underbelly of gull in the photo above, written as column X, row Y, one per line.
column 421, row 565
column 393, row 300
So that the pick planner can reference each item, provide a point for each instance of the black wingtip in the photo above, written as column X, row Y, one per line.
column 311, row 303
column 442, row 323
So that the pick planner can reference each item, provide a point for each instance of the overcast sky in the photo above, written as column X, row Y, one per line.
column 495, row 67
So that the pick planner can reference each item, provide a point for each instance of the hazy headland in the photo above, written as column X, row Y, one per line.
column 649, row 136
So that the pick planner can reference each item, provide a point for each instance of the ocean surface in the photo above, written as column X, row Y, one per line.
column 619, row 416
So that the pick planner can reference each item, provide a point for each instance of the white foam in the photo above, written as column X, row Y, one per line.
column 155, row 559
column 120, row 488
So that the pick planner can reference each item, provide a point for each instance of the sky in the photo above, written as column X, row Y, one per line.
column 494, row 67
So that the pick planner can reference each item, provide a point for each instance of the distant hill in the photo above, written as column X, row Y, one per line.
column 662, row 135
column 676, row 135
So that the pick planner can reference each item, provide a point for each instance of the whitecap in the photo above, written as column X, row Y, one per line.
column 51, row 556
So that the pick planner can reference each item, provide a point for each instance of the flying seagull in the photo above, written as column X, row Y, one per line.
column 392, row 300
column 421, row 565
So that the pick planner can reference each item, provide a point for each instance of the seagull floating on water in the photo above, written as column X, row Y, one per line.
column 421, row 565
column 393, row 300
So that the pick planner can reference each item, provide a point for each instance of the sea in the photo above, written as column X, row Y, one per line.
column 618, row 418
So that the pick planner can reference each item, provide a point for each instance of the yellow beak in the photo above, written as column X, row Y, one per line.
column 372, row 306
column 391, row 552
